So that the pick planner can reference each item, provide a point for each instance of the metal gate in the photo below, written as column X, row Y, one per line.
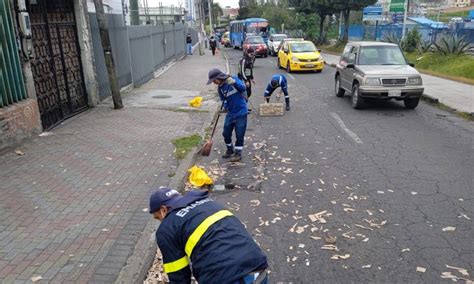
column 57, row 69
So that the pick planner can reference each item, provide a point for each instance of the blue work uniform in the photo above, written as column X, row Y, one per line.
column 203, row 233
column 282, row 83
column 233, row 94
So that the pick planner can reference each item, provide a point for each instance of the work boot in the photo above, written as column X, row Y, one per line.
column 287, row 101
column 236, row 157
column 228, row 154
column 268, row 100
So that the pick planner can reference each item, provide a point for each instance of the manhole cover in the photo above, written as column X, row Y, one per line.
column 161, row 97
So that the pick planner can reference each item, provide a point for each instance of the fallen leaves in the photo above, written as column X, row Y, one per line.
column 330, row 247
column 373, row 223
column 338, row 256
column 449, row 229
column 420, row 269
column 254, row 203
column 36, row 278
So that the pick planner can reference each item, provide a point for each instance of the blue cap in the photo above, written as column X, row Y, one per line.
column 163, row 196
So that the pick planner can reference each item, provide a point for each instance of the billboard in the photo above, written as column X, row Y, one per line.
column 397, row 6
column 372, row 13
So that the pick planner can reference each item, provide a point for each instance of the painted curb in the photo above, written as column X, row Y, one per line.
column 138, row 264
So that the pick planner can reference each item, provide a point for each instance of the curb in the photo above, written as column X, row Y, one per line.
column 430, row 99
column 138, row 264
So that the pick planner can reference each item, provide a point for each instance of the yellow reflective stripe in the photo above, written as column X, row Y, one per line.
column 202, row 228
column 176, row 265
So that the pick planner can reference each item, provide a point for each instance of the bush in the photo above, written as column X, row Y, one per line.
column 451, row 44
column 411, row 41
column 424, row 46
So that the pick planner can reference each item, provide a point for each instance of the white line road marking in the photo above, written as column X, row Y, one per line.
column 269, row 60
column 347, row 130
column 291, row 76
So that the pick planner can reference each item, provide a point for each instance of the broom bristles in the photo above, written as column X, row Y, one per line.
column 206, row 148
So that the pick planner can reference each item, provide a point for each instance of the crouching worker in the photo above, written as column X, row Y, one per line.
column 197, row 231
column 278, row 80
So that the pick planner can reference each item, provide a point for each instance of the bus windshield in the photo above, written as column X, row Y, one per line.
column 257, row 28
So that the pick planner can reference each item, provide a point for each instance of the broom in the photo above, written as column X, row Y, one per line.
column 207, row 147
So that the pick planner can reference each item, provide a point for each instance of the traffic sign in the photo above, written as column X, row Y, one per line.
column 372, row 13
column 397, row 6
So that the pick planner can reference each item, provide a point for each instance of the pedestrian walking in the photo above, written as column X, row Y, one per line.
column 195, row 229
column 245, row 70
column 213, row 45
column 278, row 81
column 189, row 44
column 232, row 93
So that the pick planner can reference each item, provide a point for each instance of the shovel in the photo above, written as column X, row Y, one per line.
column 207, row 147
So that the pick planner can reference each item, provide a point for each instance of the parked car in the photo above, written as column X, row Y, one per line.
column 258, row 45
column 300, row 56
column 274, row 41
column 377, row 70
column 225, row 40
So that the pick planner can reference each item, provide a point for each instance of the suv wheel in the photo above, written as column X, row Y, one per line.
column 339, row 91
column 288, row 67
column 356, row 101
column 411, row 103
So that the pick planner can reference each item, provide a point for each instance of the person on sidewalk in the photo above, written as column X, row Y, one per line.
column 213, row 45
column 195, row 229
column 278, row 80
column 189, row 44
column 232, row 92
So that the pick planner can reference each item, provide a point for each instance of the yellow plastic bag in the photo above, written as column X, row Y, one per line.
column 196, row 102
column 198, row 177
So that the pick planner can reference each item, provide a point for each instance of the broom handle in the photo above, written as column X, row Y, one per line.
column 217, row 120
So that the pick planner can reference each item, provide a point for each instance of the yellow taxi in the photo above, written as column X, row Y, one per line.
column 225, row 40
column 300, row 56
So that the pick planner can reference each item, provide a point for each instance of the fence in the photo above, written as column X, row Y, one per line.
column 12, row 87
column 138, row 51
column 364, row 32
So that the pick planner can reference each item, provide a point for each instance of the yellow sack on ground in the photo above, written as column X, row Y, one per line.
column 198, row 177
column 196, row 102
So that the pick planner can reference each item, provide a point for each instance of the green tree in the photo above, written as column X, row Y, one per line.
column 216, row 13
column 277, row 16
column 346, row 6
column 322, row 8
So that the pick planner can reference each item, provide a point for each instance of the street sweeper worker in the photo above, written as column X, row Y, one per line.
column 277, row 81
column 196, row 230
column 232, row 92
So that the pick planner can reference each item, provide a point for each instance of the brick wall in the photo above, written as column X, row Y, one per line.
column 18, row 121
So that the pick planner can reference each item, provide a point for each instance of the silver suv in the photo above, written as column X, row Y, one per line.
column 377, row 70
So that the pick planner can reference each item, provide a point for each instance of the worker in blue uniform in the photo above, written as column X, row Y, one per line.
column 199, row 232
column 277, row 81
column 233, row 93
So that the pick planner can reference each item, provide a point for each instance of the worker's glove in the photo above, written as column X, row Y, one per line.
column 230, row 81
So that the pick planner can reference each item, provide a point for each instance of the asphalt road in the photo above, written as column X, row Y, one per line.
column 392, row 182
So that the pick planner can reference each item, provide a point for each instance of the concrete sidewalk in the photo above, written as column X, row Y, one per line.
column 458, row 96
column 73, row 202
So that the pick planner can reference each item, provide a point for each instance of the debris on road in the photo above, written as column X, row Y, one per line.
column 36, row 278
column 337, row 256
column 420, row 269
column 449, row 229
column 255, row 203
column 19, row 152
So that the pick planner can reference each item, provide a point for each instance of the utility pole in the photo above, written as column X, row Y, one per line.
column 209, row 6
column 109, row 59
column 404, row 19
